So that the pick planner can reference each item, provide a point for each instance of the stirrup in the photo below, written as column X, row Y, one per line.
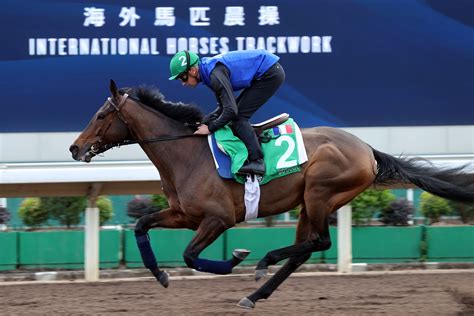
column 247, row 169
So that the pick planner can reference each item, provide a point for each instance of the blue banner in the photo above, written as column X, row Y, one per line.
column 348, row 63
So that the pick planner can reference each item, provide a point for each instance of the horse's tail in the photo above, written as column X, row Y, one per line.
column 451, row 183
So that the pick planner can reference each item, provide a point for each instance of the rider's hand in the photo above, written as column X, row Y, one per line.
column 202, row 130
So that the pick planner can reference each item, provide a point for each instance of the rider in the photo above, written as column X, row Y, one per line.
column 256, row 72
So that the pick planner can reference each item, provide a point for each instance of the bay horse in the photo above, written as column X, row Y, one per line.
column 339, row 167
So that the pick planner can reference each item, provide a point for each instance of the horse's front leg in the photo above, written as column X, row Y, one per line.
column 167, row 218
column 208, row 231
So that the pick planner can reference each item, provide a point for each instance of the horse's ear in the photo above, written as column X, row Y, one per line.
column 113, row 89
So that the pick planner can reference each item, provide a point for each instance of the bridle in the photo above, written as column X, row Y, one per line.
column 117, row 108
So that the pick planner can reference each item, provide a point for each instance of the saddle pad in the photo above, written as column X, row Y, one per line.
column 283, row 150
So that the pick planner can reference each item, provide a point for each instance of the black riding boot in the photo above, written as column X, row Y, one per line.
column 245, row 132
column 256, row 166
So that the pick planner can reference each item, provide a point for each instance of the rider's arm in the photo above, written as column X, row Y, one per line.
column 220, row 84
column 213, row 115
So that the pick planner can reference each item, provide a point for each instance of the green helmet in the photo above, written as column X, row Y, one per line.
column 181, row 62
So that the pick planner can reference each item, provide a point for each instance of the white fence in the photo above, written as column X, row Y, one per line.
column 78, row 179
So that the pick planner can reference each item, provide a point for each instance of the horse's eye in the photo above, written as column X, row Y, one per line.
column 100, row 116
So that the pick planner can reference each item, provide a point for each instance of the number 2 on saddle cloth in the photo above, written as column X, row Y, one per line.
column 282, row 146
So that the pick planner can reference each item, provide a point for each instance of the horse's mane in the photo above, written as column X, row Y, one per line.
column 152, row 97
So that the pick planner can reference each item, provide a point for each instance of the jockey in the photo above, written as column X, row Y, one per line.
column 256, row 72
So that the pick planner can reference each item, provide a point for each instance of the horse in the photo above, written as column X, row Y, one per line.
column 339, row 167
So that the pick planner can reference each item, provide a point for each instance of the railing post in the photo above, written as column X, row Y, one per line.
column 91, row 242
column 344, row 239
column 91, row 251
column 3, row 203
column 410, row 195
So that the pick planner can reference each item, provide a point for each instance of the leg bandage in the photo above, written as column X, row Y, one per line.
column 148, row 257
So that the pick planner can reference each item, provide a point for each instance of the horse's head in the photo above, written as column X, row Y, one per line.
column 107, row 127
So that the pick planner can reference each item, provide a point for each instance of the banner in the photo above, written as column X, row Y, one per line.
column 347, row 63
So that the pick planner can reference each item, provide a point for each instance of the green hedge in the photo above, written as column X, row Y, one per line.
column 262, row 240
column 450, row 244
column 65, row 249
column 380, row 244
column 168, row 246
column 8, row 250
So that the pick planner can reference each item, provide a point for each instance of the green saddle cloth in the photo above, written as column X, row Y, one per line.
column 282, row 146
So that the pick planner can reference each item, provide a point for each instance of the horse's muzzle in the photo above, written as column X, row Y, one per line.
column 86, row 156
column 74, row 149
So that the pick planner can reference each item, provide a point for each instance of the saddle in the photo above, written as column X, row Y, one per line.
column 272, row 122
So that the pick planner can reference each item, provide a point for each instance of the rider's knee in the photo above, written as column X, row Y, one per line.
column 240, row 122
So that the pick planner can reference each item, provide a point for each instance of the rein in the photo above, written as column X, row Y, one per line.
column 141, row 141
column 147, row 141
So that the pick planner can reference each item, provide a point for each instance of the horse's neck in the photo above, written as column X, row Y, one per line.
column 146, row 123
column 173, row 158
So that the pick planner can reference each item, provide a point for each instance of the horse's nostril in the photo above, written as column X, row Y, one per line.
column 74, row 149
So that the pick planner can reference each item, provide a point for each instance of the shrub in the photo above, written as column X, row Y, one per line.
column 433, row 207
column 465, row 211
column 398, row 212
column 140, row 206
column 4, row 215
column 105, row 209
column 295, row 213
column 159, row 202
column 66, row 210
column 367, row 203
column 31, row 212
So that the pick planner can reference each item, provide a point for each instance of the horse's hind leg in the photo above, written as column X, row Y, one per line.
column 305, row 243
column 301, row 253
column 282, row 274
column 320, row 202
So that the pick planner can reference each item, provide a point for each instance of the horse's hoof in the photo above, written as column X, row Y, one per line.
column 240, row 253
column 246, row 303
column 260, row 274
column 164, row 279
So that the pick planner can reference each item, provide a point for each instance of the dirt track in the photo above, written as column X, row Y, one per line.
column 393, row 294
